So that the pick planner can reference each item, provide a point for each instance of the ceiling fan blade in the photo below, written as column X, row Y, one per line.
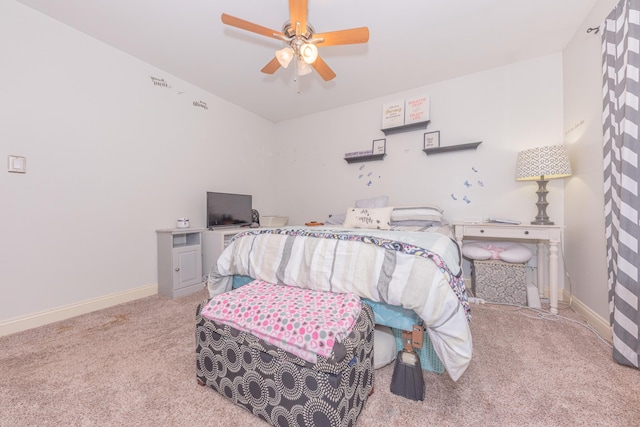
column 323, row 69
column 298, row 14
column 351, row 36
column 271, row 67
column 250, row 26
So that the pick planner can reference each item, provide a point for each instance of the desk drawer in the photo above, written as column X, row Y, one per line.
column 530, row 233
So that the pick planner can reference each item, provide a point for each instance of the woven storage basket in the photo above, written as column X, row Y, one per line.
column 499, row 281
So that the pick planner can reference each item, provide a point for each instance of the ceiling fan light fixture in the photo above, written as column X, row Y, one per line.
column 309, row 53
column 303, row 68
column 284, row 55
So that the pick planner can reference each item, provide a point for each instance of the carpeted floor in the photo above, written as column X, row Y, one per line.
column 133, row 365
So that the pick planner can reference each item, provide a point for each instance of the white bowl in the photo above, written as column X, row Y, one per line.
column 273, row 221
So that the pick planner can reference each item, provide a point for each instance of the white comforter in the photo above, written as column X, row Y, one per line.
column 416, row 270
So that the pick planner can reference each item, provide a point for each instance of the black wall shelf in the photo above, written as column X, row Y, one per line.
column 369, row 158
column 406, row 128
column 436, row 150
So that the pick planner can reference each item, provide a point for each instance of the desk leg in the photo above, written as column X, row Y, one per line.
column 541, row 276
column 553, row 277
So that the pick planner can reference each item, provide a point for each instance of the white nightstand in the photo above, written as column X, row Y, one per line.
column 179, row 261
column 541, row 234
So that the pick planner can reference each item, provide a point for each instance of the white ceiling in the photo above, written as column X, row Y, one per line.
column 412, row 43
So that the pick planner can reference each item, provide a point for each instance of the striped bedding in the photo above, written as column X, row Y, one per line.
column 419, row 271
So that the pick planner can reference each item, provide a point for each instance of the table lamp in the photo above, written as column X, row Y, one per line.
column 541, row 164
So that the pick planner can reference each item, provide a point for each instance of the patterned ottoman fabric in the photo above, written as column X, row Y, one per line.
column 304, row 322
column 284, row 389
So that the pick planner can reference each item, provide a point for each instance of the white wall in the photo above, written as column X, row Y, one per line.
column 585, row 245
column 508, row 108
column 110, row 159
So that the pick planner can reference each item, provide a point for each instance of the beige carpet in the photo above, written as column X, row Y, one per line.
column 133, row 365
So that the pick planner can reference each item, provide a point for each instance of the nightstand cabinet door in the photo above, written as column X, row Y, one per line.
column 179, row 262
column 187, row 267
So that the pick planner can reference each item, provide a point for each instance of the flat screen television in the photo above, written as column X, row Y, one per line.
column 228, row 210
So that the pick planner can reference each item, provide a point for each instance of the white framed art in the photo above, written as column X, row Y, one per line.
column 379, row 146
column 432, row 139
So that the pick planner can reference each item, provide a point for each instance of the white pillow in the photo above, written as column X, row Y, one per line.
column 373, row 202
column 476, row 250
column 414, row 213
column 508, row 252
column 516, row 253
column 384, row 346
column 379, row 218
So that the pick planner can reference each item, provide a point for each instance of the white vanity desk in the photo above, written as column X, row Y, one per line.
column 541, row 234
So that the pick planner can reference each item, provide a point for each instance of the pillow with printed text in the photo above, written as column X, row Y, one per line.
column 375, row 218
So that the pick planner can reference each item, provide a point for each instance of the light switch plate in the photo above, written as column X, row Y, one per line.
column 17, row 164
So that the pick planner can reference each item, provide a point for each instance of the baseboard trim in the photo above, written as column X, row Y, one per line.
column 49, row 316
column 596, row 321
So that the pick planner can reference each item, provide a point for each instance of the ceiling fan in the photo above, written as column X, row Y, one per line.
column 301, row 40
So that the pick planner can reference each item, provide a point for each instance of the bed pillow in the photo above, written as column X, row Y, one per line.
column 417, row 213
column 335, row 219
column 373, row 202
column 417, row 223
column 378, row 218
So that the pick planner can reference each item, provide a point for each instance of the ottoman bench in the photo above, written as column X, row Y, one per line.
column 275, row 384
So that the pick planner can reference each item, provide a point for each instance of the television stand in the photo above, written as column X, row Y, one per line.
column 214, row 240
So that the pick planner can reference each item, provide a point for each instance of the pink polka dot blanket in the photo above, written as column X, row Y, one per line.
column 303, row 322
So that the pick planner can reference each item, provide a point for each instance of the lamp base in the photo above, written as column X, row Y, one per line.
column 542, row 218
column 536, row 222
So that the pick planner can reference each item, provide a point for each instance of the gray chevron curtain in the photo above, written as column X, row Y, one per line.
column 621, row 149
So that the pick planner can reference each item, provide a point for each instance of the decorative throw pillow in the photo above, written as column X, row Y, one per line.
column 516, row 253
column 379, row 218
column 507, row 252
column 475, row 251
column 373, row 202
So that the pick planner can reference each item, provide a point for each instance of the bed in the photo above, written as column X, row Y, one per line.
column 403, row 265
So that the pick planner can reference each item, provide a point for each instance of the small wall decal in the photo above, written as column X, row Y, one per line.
column 200, row 104
column 159, row 82
column 574, row 127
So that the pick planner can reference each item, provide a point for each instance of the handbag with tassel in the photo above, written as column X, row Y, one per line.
column 407, row 380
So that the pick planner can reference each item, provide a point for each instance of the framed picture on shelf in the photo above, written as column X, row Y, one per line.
column 392, row 114
column 432, row 139
column 379, row 146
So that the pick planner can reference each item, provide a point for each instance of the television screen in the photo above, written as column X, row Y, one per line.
column 228, row 210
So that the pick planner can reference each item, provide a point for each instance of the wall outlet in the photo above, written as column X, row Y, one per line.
column 17, row 164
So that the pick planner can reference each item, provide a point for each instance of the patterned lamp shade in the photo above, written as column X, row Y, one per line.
column 539, row 163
